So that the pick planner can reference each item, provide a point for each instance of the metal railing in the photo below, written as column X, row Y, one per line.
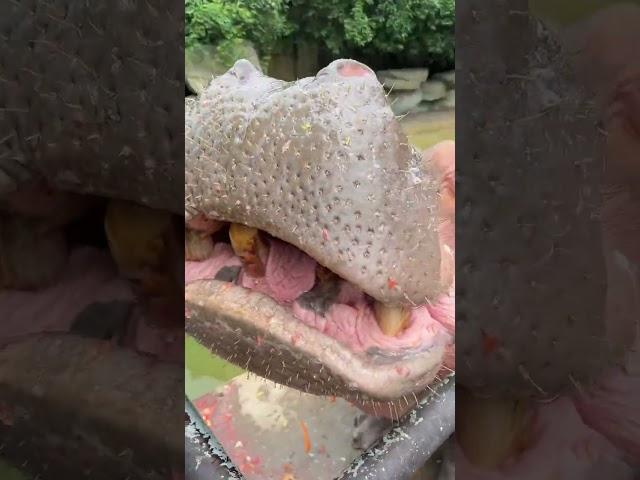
column 396, row 456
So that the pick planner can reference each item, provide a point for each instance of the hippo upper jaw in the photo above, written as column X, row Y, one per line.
column 322, row 164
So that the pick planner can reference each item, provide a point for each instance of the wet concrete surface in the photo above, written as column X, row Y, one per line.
column 274, row 432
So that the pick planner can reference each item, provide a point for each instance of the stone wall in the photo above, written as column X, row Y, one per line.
column 412, row 90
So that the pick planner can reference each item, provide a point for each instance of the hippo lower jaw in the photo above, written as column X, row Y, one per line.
column 250, row 329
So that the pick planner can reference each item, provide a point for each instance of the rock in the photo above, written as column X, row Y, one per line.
column 449, row 78
column 433, row 90
column 424, row 107
column 403, row 78
column 203, row 62
column 448, row 102
column 403, row 102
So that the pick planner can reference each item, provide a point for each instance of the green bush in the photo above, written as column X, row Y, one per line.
column 263, row 22
column 402, row 32
column 407, row 31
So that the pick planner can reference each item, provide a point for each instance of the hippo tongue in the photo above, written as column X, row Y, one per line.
column 289, row 273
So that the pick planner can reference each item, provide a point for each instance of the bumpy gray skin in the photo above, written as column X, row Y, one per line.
column 531, row 295
column 320, row 163
column 86, row 118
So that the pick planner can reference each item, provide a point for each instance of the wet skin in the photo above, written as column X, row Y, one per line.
column 336, row 140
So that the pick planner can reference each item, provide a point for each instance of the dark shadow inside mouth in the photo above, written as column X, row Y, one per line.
column 91, row 296
column 89, row 229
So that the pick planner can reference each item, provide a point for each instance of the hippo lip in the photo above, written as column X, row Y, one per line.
column 232, row 321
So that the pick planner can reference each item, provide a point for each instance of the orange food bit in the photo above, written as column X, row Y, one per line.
column 391, row 283
column 305, row 437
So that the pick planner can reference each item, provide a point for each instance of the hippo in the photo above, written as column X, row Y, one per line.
column 91, row 140
column 331, row 268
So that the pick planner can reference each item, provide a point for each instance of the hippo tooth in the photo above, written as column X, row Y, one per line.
column 136, row 236
column 198, row 246
column 491, row 430
column 391, row 319
column 247, row 245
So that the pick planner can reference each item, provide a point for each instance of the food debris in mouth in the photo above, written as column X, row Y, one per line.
column 316, row 296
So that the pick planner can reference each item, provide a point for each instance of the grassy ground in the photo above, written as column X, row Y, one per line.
column 7, row 472
column 426, row 129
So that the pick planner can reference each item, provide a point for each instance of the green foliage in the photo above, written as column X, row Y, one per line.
column 405, row 27
column 263, row 22
column 409, row 31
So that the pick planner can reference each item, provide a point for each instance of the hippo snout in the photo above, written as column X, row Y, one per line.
column 322, row 164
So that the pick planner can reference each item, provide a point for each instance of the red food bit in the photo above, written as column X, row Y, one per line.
column 391, row 283
column 489, row 343
column 325, row 234
column 295, row 338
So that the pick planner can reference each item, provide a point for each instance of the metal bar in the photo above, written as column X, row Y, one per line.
column 407, row 447
column 205, row 458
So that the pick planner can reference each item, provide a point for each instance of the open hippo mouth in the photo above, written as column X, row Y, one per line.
column 319, row 247
column 78, row 264
column 76, row 161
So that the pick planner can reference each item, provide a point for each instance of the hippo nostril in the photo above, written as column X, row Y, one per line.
column 353, row 69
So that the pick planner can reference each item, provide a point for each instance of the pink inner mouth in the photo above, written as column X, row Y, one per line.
column 290, row 273
column 90, row 277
